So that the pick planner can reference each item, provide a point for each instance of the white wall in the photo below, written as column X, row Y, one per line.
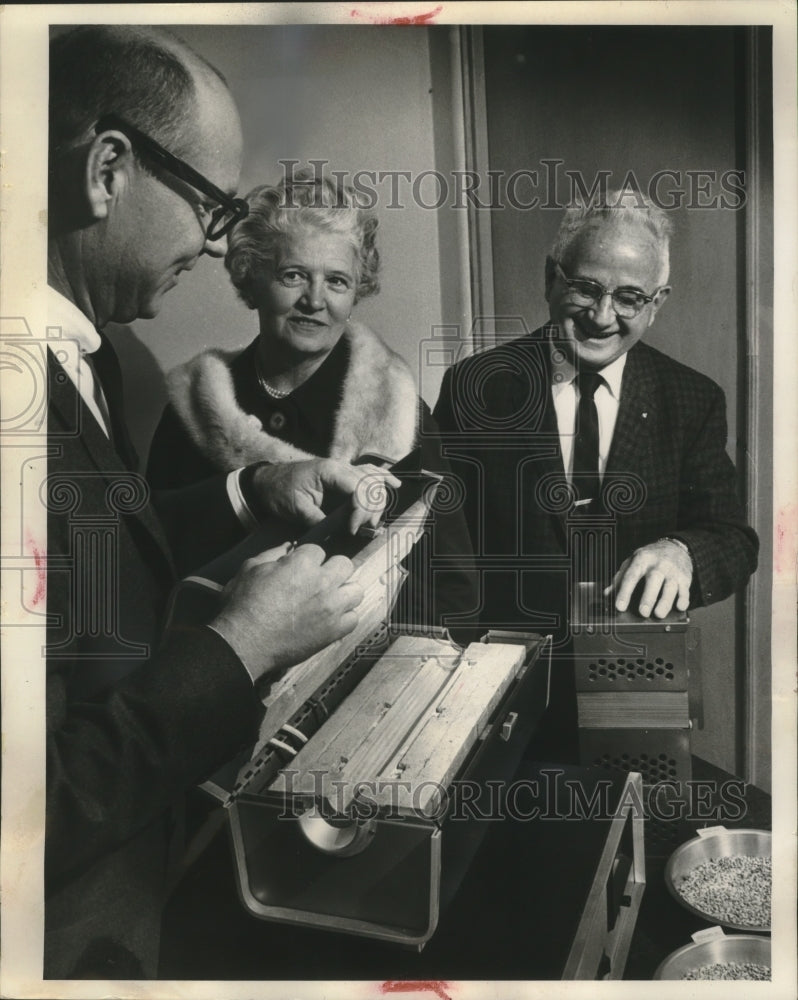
column 359, row 97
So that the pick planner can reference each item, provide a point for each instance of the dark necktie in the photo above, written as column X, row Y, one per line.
column 586, row 479
column 108, row 372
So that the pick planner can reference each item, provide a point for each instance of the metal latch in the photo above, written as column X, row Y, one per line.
column 507, row 726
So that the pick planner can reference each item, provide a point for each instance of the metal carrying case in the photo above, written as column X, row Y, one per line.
column 348, row 813
column 364, row 830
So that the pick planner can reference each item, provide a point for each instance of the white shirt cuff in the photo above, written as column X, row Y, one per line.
column 238, row 503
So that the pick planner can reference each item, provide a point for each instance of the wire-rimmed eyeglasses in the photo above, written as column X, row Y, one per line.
column 627, row 301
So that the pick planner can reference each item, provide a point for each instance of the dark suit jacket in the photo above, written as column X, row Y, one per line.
column 132, row 721
column 667, row 474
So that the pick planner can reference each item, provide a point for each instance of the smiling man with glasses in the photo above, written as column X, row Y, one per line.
column 600, row 304
column 580, row 424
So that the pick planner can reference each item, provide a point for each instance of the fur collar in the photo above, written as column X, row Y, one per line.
column 377, row 414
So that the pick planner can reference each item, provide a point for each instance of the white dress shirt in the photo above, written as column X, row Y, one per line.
column 77, row 327
column 565, row 394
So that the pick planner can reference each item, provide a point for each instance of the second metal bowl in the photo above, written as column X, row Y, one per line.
column 715, row 948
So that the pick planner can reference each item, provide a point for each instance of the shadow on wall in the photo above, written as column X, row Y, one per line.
column 145, row 387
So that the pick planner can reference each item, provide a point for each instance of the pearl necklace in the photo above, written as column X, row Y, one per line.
column 269, row 389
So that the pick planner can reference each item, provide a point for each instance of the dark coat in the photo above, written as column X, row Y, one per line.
column 667, row 474
column 132, row 721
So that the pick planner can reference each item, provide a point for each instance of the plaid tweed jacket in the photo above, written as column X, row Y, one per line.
column 667, row 474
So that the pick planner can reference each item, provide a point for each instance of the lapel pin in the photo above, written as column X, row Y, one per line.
column 644, row 414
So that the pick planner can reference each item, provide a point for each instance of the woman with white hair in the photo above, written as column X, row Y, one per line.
column 314, row 382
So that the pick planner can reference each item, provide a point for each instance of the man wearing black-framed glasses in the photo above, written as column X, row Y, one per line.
column 220, row 211
column 148, row 212
column 145, row 153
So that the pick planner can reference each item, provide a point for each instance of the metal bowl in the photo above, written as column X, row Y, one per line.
column 717, row 842
column 734, row 948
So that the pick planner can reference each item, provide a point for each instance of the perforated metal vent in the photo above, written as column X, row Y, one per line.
column 662, row 835
column 653, row 768
column 630, row 670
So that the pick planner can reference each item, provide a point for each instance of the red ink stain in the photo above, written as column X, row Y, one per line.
column 435, row 986
column 40, row 558
column 784, row 548
column 426, row 18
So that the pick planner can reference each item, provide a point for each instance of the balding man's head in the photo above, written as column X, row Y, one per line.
column 145, row 152
column 146, row 76
column 626, row 210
